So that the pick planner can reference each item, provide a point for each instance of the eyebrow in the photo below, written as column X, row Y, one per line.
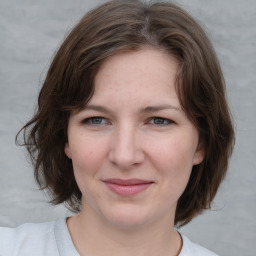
column 148, row 109
column 158, row 108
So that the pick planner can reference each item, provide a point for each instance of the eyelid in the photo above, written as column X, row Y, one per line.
column 88, row 119
column 169, row 121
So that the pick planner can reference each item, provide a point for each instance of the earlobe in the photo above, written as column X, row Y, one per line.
column 67, row 151
column 198, row 156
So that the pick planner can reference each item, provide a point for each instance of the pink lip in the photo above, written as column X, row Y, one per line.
column 127, row 187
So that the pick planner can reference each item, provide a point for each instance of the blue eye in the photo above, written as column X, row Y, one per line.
column 97, row 120
column 160, row 121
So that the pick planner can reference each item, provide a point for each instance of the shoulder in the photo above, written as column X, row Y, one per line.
column 28, row 239
column 191, row 249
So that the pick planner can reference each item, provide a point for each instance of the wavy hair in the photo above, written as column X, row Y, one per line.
column 117, row 26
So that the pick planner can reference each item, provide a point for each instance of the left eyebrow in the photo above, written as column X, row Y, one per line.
column 156, row 108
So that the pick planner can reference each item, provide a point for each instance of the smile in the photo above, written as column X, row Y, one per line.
column 127, row 187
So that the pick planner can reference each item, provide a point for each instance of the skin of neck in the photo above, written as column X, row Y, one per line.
column 92, row 236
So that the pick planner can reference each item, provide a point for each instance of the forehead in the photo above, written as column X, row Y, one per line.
column 146, row 74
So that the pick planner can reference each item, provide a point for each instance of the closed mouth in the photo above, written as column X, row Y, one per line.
column 128, row 187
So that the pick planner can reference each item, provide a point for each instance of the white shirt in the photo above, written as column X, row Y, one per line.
column 53, row 239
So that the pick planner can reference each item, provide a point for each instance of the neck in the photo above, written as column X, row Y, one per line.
column 91, row 236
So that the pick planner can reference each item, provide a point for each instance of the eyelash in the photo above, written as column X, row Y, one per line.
column 167, row 121
column 164, row 121
column 89, row 120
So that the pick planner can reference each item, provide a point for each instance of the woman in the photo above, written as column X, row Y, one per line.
column 132, row 132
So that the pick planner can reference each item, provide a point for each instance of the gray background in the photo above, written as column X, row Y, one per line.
column 31, row 30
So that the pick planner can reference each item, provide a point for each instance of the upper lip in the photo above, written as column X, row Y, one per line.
column 127, row 182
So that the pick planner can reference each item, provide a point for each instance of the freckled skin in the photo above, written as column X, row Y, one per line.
column 128, row 144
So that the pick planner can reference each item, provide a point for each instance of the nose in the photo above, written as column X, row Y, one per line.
column 126, row 151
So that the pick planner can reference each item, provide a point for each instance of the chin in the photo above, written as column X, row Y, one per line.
column 129, row 218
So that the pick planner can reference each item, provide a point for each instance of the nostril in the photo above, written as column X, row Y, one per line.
column 125, row 159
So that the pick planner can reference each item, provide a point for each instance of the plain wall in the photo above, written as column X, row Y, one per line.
column 30, row 32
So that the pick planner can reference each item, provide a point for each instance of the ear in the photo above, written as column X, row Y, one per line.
column 67, row 150
column 198, row 156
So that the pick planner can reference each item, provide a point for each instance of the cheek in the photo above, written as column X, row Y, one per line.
column 174, row 153
column 173, row 159
column 87, row 156
column 176, row 166
column 87, row 160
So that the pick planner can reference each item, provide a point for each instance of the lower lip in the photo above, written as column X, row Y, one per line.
column 128, row 190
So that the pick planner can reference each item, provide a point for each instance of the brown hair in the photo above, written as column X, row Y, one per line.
column 122, row 26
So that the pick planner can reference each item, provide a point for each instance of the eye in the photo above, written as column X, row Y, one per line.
column 96, row 120
column 160, row 121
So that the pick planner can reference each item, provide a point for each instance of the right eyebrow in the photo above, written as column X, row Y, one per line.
column 98, row 108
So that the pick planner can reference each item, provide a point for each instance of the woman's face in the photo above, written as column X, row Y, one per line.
column 132, row 146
